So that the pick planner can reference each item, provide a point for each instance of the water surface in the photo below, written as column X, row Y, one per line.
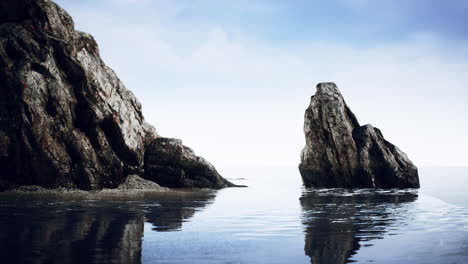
column 275, row 220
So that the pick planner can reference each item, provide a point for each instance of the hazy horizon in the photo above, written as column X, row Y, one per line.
column 232, row 79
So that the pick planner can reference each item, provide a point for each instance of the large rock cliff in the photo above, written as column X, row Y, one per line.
column 66, row 120
column 341, row 153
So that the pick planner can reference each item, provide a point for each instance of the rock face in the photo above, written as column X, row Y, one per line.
column 66, row 120
column 170, row 163
column 134, row 182
column 341, row 153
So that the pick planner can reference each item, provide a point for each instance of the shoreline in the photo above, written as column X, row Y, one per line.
column 133, row 186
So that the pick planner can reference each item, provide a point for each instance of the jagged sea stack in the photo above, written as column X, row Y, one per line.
column 66, row 120
column 339, row 153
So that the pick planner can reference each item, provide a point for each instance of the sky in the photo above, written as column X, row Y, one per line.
column 232, row 79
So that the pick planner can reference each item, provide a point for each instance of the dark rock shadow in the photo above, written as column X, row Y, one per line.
column 54, row 231
column 339, row 221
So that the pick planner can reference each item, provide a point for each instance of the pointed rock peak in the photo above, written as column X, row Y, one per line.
column 328, row 88
column 341, row 153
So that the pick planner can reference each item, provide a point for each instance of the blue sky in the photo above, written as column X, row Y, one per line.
column 232, row 78
column 361, row 22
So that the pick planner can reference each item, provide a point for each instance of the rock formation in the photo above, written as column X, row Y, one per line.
column 170, row 163
column 341, row 153
column 136, row 183
column 66, row 120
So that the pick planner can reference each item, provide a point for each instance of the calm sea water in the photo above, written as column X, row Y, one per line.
column 274, row 220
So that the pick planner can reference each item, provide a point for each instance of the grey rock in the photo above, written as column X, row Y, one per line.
column 66, row 120
column 341, row 153
column 171, row 164
column 134, row 182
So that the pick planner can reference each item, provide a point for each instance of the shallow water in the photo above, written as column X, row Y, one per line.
column 274, row 220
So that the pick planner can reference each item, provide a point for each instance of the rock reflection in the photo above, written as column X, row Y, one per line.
column 47, row 231
column 172, row 211
column 338, row 221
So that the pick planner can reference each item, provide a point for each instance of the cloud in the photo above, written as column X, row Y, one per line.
column 239, row 100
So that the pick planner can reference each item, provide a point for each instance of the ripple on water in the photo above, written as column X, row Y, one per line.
column 274, row 224
column 338, row 222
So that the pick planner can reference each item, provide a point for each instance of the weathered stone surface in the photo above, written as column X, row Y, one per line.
column 135, row 183
column 341, row 153
column 66, row 120
column 171, row 164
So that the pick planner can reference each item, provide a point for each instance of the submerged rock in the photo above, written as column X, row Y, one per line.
column 171, row 164
column 341, row 153
column 66, row 120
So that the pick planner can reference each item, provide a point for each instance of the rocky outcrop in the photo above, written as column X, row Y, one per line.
column 341, row 153
column 136, row 183
column 171, row 164
column 66, row 120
